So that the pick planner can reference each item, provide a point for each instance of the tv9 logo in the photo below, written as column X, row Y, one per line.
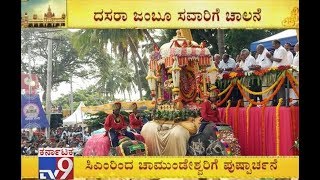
column 55, row 163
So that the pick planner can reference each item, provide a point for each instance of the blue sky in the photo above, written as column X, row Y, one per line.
column 40, row 7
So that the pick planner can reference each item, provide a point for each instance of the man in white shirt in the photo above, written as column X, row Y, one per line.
column 249, row 61
column 296, row 57
column 262, row 60
column 287, row 46
column 228, row 64
column 279, row 57
column 217, row 59
column 295, row 74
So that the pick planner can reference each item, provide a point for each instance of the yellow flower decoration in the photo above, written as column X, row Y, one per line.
column 233, row 74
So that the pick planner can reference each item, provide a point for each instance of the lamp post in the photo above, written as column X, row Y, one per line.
column 49, row 82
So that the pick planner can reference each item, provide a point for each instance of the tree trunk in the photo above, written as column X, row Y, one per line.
column 124, row 94
column 220, row 39
column 137, row 75
column 129, row 94
column 136, row 52
column 145, row 31
column 106, row 87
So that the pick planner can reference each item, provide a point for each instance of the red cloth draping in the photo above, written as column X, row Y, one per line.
column 289, row 127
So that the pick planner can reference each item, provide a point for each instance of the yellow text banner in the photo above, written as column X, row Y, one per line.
column 202, row 14
column 177, row 167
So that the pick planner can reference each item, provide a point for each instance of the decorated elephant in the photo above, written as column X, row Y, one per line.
column 99, row 144
column 214, row 140
column 168, row 138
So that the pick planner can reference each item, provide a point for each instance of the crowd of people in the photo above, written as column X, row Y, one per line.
column 68, row 136
column 281, row 56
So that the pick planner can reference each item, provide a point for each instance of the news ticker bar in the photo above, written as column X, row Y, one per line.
column 175, row 167
column 203, row 14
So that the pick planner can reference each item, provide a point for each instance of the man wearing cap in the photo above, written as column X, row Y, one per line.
column 135, row 119
column 209, row 111
column 115, row 125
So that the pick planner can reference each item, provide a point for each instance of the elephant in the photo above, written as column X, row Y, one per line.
column 206, row 143
column 99, row 144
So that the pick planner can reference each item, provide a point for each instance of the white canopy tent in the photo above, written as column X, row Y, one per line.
column 287, row 36
column 77, row 117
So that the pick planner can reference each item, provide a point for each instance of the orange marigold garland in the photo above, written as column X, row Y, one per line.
column 292, row 82
column 263, row 130
column 236, row 119
column 227, row 111
column 227, row 96
column 278, row 126
column 265, row 101
column 247, row 122
column 293, row 126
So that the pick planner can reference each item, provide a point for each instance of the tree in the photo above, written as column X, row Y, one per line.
column 96, row 121
column 234, row 39
column 123, row 43
column 89, row 96
column 238, row 39
column 220, row 39
column 64, row 57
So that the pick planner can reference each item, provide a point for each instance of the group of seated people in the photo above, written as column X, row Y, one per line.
column 282, row 56
column 115, row 124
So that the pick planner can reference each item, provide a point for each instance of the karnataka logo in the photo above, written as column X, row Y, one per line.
column 31, row 110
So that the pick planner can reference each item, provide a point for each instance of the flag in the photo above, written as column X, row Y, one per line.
column 32, row 113
column 25, row 81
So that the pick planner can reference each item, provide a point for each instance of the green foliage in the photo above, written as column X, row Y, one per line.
column 238, row 39
column 65, row 60
column 96, row 121
column 89, row 96
column 176, row 115
column 116, row 71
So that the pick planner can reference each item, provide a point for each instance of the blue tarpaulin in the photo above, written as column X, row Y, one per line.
column 287, row 36
column 32, row 113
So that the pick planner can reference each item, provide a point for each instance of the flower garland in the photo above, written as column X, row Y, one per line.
column 226, row 97
column 263, row 130
column 236, row 118
column 278, row 127
column 176, row 115
column 264, row 91
column 290, row 76
column 260, row 72
column 227, row 111
column 265, row 101
column 293, row 125
column 232, row 75
column 226, row 90
column 293, row 81
column 247, row 122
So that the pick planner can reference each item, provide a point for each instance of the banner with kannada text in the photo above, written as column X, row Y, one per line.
column 178, row 14
column 176, row 167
